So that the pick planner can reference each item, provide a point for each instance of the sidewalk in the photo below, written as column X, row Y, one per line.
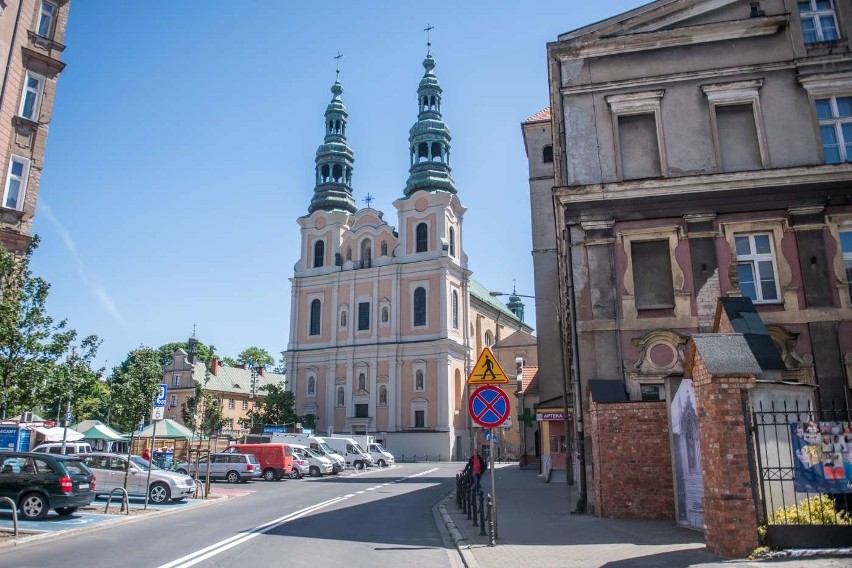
column 535, row 528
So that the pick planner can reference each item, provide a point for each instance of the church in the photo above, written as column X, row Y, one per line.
column 386, row 321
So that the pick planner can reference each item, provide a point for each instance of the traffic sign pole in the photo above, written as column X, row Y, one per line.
column 493, row 483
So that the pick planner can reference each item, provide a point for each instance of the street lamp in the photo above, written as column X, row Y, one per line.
column 578, row 408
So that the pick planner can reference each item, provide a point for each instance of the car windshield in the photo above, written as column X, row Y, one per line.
column 75, row 467
column 312, row 453
column 379, row 447
column 327, row 448
column 359, row 449
column 142, row 463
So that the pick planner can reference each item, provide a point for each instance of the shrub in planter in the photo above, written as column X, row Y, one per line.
column 819, row 510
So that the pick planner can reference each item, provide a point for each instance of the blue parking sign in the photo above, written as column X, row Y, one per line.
column 162, row 391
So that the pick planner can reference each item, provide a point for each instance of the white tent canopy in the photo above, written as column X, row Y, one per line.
column 55, row 434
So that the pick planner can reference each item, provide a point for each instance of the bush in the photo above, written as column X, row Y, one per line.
column 819, row 510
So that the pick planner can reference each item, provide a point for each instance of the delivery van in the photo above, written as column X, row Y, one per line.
column 381, row 457
column 276, row 460
column 351, row 451
column 315, row 443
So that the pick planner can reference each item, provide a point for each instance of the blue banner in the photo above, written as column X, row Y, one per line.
column 823, row 456
column 9, row 438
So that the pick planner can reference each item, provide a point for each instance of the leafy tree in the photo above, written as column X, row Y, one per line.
column 133, row 385
column 281, row 367
column 255, row 357
column 202, row 412
column 31, row 342
column 229, row 362
column 75, row 378
column 277, row 407
column 165, row 352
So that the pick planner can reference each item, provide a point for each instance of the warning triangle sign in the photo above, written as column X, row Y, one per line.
column 487, row 370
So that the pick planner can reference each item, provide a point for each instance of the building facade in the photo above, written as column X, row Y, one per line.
column 700, row 151
column 31, row 35
column 384, row 319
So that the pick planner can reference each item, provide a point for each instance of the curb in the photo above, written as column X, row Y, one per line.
column 462, row 545
column 30, row 538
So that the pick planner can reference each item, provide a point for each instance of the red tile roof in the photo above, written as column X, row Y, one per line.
column 540, row 116
column 529, row 380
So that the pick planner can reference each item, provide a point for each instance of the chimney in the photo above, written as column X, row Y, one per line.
column 243, row 366
column 261, row 371
column 214, row 365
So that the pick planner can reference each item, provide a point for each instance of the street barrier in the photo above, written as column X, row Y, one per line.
column 14, row 508
column 125, row 502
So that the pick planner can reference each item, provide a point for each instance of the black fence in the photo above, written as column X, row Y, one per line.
column 799, row 475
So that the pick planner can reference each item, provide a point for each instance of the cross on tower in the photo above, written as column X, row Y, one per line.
column 337, row 63
column 368, row 199
column 428, row 29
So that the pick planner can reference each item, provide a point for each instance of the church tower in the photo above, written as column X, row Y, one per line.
column 334, row 160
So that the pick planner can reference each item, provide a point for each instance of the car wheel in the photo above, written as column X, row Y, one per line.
column 359, row 465
column 269, row 475
column 314, row 471
column 382, row 463
column 159, row 493
column 293, row 474
column 34, row 507
column 233, row 477
column 182, row 471
column 66, row 511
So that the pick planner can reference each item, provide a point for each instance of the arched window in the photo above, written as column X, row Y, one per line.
column 455, row 310
column 418, row 381
column 385, row 315
column 437, row 156
column 384, row 248
column 319, row 254
column 383, row 395
column 344, row 318
column 420, row 306
column 452, row 242
column 316, row 314
column 422, row 152
column 337, row 172
column 324, row 172
column 312, row 386
column 489, row 338
column 362, row 382
column 547, row 154
column 341, row 400
column 366, row 249
column 422, row 237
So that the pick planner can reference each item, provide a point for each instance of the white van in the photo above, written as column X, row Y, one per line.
column 315, row 443
column 351, row 451
column 317, row 465
column 381, row 457
column 70, row 448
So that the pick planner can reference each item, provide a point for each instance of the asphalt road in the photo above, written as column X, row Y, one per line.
column 378, row 518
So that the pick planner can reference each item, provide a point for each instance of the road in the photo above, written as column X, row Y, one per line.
column 377, row 518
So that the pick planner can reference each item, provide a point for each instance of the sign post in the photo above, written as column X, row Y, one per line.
column 157, row 414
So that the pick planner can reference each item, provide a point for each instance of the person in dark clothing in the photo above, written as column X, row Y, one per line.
column 476, row 466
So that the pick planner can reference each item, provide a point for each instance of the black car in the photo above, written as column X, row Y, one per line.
column 39, row 482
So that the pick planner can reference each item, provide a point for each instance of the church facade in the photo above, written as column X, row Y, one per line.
column 383, row 319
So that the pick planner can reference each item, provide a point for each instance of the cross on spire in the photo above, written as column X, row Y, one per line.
column 368, row 199
column 428, row 29
column 337, row 63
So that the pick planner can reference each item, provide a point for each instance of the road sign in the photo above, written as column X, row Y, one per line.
column 68, row 416
column 158, row 413
column 487, row 370
column 160, row 399
column 489, row 406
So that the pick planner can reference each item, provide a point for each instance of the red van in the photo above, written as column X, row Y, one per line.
column 276, row 460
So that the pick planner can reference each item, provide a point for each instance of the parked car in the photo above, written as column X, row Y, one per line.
column 38, row 482
column 109, row 468
column 231, row 467
column 274, row 458
column 317, row 465
column 300, row 467
column 70, row 448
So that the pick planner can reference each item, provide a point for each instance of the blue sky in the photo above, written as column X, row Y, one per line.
column 182, row 142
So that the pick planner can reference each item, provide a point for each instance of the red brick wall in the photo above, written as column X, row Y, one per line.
column 730, row 528
column 632, row 459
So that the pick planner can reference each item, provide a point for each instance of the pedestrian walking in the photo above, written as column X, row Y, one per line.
column 476, row 466
column 146, row 454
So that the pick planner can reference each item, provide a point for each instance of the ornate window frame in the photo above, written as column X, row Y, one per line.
column 646, row 102
column 837, row 224
column 737, row 93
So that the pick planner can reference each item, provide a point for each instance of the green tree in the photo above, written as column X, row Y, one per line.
column 133, row 385
column 165, row 352
column 76, row 379
column 255, row 357
column 277, row 406
column 202, row 412
column 31, row 342
column 281, row 367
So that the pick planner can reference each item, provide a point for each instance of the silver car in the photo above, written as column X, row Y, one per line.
column 109, row 470
column 233, row 468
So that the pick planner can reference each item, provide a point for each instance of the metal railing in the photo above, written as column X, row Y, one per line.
column 125, row 501
column 14, row 513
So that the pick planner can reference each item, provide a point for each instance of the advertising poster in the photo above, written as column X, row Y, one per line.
column 823, row 452
column 9, row 438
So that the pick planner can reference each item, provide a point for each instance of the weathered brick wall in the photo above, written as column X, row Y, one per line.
column 730, row 528
column 632, row 460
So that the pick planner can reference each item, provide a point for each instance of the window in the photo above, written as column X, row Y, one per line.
column 547, row 154
column 383, row 395
column 835, row 126
column 385, row 315
column 818, row 20
column 418, row 380
column 31, row 98
column 231, row 404
column 245, row 405
column 846, row 247
column 348, row 253
column 420, row 306
column 176, row 380
column 363, row 316
column 652, row 275
column 652, row 392
column 362, row 382
column 419, row 418
column 384, row 248
column 361, row 411
column 172, row 401
column 638, row 134
column 16, row 183
column 340, row 396
column 455, row 310
column 452, row 242
column 312, row 386
column 366, row 250
column 756, row 267
column 46, row 16
column 343, row 318
column 316, row 313
column 319, row 254
column 422, row 237
column 489, row 338
column 738, row 146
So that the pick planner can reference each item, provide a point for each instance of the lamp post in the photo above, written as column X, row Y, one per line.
column 569, row 474
column 253, row 393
